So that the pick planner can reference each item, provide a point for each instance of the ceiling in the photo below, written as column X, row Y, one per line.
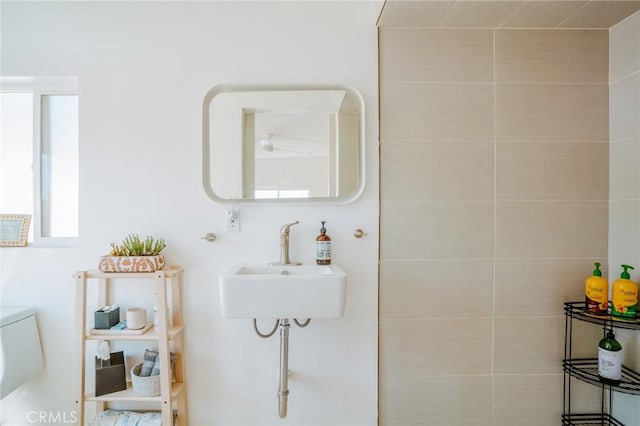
column 506, row 13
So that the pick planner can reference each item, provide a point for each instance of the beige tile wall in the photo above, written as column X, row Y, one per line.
column 494, row 205
column 624, row 180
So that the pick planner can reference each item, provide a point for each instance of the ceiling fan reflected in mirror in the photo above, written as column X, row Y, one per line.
column 267, row 144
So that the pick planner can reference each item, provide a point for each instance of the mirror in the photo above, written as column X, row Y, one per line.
column 302, row 143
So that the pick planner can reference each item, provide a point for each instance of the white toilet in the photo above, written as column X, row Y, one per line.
column 20, row 351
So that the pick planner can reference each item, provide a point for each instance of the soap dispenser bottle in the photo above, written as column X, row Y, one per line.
column 610, row 359
column 624, row 297
column 596, row 290
column 323, row 247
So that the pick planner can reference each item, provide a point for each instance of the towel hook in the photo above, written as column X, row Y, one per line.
column 210, row 237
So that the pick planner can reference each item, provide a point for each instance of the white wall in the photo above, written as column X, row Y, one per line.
column 624, row 182
column 143, row 71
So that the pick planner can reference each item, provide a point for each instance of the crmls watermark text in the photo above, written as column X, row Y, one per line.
column 51, row 417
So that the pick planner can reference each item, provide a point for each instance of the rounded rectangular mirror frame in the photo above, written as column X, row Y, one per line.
column 208, row 148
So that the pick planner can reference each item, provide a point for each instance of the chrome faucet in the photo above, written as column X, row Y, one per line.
column 284, row 245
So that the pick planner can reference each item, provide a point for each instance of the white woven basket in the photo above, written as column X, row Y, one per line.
column 147, row 386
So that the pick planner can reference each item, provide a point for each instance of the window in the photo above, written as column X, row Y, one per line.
column 260, row 194
column 39, row 155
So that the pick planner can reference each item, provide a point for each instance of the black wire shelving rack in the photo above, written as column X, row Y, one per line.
column 586, row 370
column 589, row 420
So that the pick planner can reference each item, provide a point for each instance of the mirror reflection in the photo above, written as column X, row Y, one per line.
column 301, row 143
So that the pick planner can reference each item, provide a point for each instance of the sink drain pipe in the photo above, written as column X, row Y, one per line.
column 283, row 389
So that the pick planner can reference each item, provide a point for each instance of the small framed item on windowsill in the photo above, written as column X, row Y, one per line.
column 14, row 229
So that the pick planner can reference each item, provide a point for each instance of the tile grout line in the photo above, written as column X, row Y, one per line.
column 572, row 14
column 488, row 259
column 623, row 77
column 500, row 200
column 472, row 28
column 491, row 83
column 505, row 141
column 446, row 15
column 493, row 257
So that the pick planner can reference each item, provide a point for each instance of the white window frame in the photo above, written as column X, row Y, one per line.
column 39, row 87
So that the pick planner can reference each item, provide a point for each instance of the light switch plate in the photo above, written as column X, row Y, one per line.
column 233, row 220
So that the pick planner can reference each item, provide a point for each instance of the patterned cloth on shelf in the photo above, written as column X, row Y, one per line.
column 126, row 418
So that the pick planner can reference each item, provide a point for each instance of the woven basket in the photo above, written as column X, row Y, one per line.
column 147, row 386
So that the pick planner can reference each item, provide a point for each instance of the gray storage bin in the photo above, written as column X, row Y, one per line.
column 105, row 320
column 110, row 375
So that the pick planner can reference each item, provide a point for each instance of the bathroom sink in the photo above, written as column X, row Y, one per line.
column 283, row 291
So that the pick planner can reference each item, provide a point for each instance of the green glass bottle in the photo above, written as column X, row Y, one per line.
column 610, row 360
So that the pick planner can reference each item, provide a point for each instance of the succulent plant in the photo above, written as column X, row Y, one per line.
column 132, row 245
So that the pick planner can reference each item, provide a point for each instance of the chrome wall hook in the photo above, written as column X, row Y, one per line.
column 359, row 233
column 210, row 237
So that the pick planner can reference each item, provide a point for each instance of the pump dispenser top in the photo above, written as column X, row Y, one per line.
column 597, row 272
column 625, row 274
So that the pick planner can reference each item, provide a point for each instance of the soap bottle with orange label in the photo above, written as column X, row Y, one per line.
column 624, row 295
column 596, row 290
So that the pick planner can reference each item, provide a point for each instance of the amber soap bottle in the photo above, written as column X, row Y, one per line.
column 323, row 247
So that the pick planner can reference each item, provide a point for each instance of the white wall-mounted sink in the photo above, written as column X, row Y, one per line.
column 283, row 291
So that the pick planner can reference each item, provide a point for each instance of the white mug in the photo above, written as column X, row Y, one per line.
column 136, row 318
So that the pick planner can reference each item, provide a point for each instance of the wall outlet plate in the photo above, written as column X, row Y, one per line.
column 232, row 220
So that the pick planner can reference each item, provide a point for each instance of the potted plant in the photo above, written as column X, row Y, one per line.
column 134, row 255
